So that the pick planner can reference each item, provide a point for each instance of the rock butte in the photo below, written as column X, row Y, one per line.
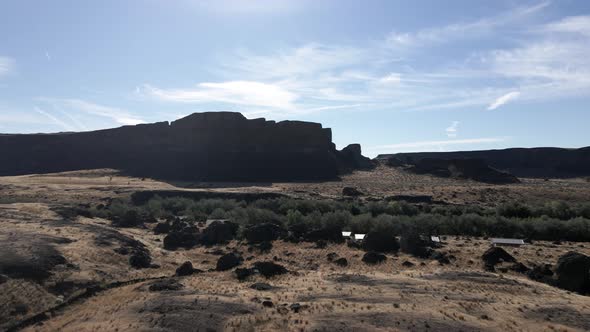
column 217, row 146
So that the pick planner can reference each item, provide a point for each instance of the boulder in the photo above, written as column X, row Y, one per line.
column 140, row 259
column 261, row 286
column 408, row 264
column 372, row 258
column 162, row 228
column 414, row 244
column 331, row 256
column 496, row 255
column 186, row 269
column 165, row 285
column 219, row 233
column 573, row 272
column 264, row 232
column 228, row 261
column 270, row 269
column 181, row 239
column 442, row 257
column 244, row 273
column 541, row 273
column 341, row 262
column 519, row 267
column 328, row 234
column 380, row 241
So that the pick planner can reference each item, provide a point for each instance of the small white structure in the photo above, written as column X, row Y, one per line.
column 507, row 242
column 435, row 239
column 346, row 235
column 359, row 237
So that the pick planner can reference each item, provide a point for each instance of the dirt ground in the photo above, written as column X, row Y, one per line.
column 74, row 274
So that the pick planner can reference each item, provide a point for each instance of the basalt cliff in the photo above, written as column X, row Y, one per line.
column 213, row 146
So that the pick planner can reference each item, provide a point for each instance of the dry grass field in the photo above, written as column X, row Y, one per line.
column 75, row 277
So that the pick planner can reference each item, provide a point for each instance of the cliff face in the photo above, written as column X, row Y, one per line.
column 219, row 146
column 534, row 162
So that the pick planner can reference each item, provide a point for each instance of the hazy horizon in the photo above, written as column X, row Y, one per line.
column 392, row 76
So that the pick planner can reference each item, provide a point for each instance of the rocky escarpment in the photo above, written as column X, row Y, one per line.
column 220, row 146
column 522, row 162
column 472, row 169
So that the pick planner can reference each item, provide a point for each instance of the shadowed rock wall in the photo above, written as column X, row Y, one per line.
column 220, row 146
column 522, row 162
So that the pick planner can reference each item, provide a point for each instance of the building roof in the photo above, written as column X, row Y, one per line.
column 507, row 241
column 359, row 236
column 346, row 234
column 435, row 239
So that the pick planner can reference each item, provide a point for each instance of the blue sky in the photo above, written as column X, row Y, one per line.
column 391, row 75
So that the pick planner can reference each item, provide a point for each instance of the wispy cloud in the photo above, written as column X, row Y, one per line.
column 232, row 92
column 547, row 62
column 118, row 115
column 572, row 24
column 462, row 30
column 54, row 119
column 503, row 100
column 6, row 65
column 452, row 130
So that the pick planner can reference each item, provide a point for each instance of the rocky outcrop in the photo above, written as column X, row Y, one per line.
column 573, row 272
column 472, row 169
column 201, row 146
column 351, row 158
column 522, row 162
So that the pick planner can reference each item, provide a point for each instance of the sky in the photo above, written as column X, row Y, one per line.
column 394, row 76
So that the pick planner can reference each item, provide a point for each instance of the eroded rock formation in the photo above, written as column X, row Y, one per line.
column 221, row 146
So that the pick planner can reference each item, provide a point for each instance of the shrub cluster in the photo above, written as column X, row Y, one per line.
column 551, row 221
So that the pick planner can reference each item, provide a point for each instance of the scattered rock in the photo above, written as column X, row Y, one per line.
column 162, row 228
column 270, row 269
column 264, row 232
column 412, row 243
column 181, row 239
column 296, row 307
column 261, row 286
column 140, row 259
column 228, row 261
column 442, row 257
column 408, row 264
column 372, row 257
column 519, row 267
column 331, row 256
column 165, row 285
column 244, row 273
column 341, row 262
column 351, row 191
column 496, row 255
column 267, row 304
column 219, row 232
column 326, row 234
column 3, row 279
column 186, row 269
column 380, row 241
column 541, row 273
column 573, row 272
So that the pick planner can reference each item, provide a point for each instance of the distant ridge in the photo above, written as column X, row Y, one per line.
column 547, row 162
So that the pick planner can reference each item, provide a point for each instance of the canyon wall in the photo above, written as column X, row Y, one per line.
column 213, row 146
